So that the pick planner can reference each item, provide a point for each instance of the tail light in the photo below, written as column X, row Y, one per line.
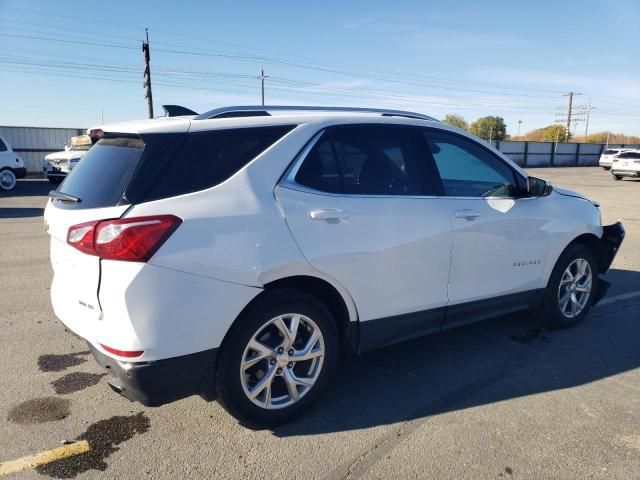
column 133, row 239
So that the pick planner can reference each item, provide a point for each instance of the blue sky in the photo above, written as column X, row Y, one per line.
column 62, row 62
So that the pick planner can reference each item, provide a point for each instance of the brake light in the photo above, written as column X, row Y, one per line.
column 123, row 353
column 133, row 239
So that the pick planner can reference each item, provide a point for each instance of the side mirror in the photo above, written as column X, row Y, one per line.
column 537, row 187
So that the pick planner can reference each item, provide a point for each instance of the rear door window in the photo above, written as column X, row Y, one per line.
column 366, row 160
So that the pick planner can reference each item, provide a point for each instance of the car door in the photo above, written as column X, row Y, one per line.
column 360, row 202
column 499, row 236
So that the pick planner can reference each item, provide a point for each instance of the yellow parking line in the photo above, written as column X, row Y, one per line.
column 48, row 456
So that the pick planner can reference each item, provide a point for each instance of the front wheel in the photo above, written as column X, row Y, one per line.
column 277, row 359
column 7, row 179
column 571, row 288
column 616, row 177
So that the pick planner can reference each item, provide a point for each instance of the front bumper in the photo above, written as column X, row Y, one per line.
column 163, row 381
column 612, row 237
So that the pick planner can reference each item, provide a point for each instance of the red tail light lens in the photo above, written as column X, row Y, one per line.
column 81, row 236
column 133, row 239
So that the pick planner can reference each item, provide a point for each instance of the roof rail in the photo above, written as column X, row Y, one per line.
column 263, row 111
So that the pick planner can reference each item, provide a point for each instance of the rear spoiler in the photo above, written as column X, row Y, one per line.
column 177, row 111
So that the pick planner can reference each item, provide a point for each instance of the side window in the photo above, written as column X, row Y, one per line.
column 199, row 161
column 320, row 170
column 3, row 147
column 468, row 170
column 365, row 160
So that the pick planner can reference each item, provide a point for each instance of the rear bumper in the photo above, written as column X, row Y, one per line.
column 163, row 381
column 626, row 173
column 612, row 237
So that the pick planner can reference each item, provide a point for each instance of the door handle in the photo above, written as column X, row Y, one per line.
column 466, row 213
column 328, row 215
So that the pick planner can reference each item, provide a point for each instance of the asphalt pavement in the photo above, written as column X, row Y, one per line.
column 501, row 399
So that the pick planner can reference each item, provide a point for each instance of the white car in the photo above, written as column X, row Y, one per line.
column 11, row 166
column 241, row 253
column 626, row 164
column 56, row 166
column 607, row 157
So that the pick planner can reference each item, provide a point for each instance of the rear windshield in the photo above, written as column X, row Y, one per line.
column 127, row 170
column 102, row 175
column 611, row 152
column 629, row 155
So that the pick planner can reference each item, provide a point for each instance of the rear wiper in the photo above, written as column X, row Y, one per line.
column 63, row 197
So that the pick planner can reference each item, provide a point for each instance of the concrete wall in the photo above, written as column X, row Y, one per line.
column 33, row 143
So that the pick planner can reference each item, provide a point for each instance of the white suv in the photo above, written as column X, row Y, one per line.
column 608, row 156
column 626, row 164
column 240, row 253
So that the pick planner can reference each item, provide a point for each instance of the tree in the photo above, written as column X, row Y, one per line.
column 455, row 120
column 550, row 133
column 489, row 127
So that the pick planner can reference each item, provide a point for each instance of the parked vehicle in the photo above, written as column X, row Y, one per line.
column 607, row 157
column 626, row 164
column 240, row 253
column 11, row 166
column 56, row 166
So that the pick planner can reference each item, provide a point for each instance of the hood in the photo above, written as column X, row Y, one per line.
column 568, row 193
column 571, row 193
column 66, row 155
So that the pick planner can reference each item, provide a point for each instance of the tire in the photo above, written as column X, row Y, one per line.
column 55, row 180
column 616, row 177
column 7, row 179
column 606, row 168
column 555, row 311
column 276, row 404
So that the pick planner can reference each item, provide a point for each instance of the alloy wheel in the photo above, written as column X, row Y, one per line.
column 282, row 361
column 575, row 288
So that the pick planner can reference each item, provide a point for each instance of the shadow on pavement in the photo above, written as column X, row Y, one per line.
column 484, row 363
column 20, row 212
column 31, row 187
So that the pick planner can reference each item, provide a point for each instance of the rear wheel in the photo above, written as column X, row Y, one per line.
column 7, row 179
column 606, row 168
column 277, row 359
column 571, row 288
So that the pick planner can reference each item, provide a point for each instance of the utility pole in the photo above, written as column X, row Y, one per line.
column 261, row 78
column 147, row 74
column 586, row 128
column 519, row 123
column 569, row 111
